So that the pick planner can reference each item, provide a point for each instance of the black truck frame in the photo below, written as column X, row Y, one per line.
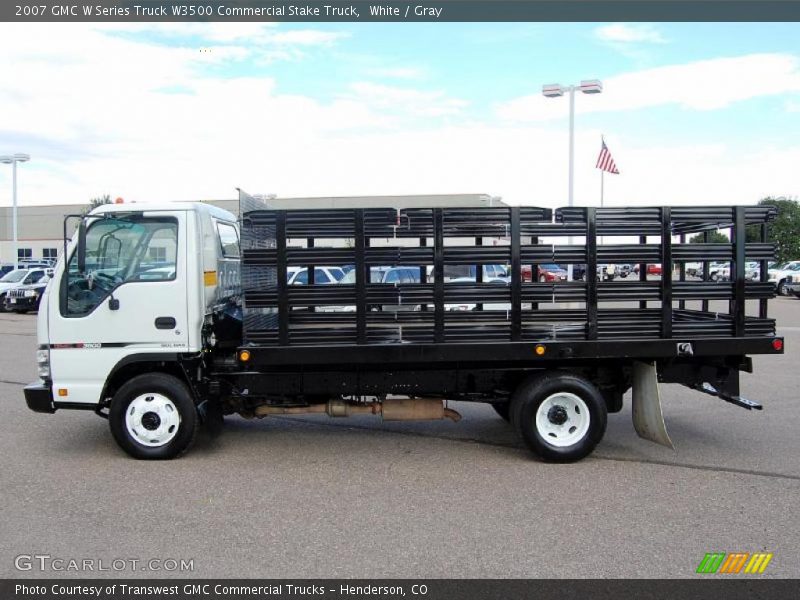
column 520, row 343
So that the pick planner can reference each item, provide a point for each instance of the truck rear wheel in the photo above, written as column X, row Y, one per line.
column 561, row 417
column 153, row 417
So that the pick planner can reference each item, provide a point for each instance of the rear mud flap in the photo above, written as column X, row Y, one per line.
column 648, row 420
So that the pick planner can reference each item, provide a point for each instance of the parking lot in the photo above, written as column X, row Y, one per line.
column 313, row 497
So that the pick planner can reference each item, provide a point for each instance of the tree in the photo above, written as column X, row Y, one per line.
column 97, row 201
column 784, row 232
column 714, row 237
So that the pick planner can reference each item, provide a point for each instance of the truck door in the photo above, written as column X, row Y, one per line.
column 131, row 299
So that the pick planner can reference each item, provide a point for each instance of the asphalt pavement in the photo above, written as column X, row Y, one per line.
column 298, row 497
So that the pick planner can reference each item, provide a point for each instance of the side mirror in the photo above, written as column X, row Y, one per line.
column 82, row 247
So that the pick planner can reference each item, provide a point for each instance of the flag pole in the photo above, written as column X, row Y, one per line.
column 602, row 182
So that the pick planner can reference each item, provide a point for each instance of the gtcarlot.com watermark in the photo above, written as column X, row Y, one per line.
column 59, row 564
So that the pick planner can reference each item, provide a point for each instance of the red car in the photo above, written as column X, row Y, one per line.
column 654, row 269
column 545, row 273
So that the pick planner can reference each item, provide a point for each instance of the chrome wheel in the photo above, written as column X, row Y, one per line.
column 152, row 420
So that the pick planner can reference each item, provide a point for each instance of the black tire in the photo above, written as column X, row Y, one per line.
column 165, row 385
column 503, row 409
column 530, row 395
column 781, row 288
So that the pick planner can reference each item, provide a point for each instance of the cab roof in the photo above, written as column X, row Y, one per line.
column 199, row 207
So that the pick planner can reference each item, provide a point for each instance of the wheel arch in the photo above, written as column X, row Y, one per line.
column 140, row 364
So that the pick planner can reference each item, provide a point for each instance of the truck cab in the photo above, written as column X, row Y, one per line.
column 137, row 286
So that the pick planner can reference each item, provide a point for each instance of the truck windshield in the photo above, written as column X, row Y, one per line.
column 120, row 251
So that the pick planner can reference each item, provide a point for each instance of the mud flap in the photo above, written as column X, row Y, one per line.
column 648, row 420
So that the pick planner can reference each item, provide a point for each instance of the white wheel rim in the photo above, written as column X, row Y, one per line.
column 152, row 420
column 562, row 419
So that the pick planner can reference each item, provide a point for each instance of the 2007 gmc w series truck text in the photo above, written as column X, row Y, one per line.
column 160, row 318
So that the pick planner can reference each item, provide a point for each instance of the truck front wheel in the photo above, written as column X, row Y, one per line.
column 561, row 417
column 153, row 417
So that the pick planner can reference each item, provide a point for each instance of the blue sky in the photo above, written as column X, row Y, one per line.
column 691, row 112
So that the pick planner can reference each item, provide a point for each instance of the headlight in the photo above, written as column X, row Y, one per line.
column 43, row 363
column 31, row 293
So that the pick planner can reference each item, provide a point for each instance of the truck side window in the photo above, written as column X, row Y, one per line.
column 119, row 251
column 228, row 240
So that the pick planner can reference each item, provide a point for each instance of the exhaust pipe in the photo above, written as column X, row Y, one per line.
column 396, row 409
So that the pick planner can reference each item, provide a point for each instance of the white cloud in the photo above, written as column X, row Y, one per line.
column 306, row 37
column 627, row 33
column 407, row 101
column 96, row 114
column 701, row 85
column 397, row 72
column 792, row 106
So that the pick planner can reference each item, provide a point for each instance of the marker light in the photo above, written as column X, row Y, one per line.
column 244, row 355
column 777, row 344
column 540, row 349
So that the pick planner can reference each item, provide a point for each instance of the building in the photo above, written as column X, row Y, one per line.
column 41, row 228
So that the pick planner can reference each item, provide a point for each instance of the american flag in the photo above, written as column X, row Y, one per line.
column 605, row 162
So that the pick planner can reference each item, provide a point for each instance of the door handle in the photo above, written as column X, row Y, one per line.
column 165, row 323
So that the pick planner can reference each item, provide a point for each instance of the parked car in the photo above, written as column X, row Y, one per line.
column 792, row 285
column 472, row 306
column 8, row 267
column 781, row 272
column 383, row 275
column 26, row 297
column 322, row 275
column 752, row 271
column 19, row 277
column 606, row 272
column 375, row 276
column 693, row 269
column 654, row 269
column 548, row 273
column 625, row 270
column 37, row 262
column 397, row 275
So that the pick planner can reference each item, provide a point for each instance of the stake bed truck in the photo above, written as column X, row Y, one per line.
column 163, row 318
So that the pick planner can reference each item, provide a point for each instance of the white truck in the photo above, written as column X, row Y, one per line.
column 159, row 318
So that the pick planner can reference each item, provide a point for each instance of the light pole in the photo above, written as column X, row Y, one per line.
column 13, row 159
column 556, row 90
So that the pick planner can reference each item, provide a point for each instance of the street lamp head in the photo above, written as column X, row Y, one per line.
column 8, row 159
column 591, row 86
column 553, row 90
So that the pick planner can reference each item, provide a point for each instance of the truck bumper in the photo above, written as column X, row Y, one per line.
column 39, row 397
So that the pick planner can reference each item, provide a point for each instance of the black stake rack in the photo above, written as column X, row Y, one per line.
column 364, row 313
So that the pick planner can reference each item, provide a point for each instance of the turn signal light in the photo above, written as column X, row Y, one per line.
column 777, row 344
column 63, row 392
column 244, row 355
column 540, row 349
